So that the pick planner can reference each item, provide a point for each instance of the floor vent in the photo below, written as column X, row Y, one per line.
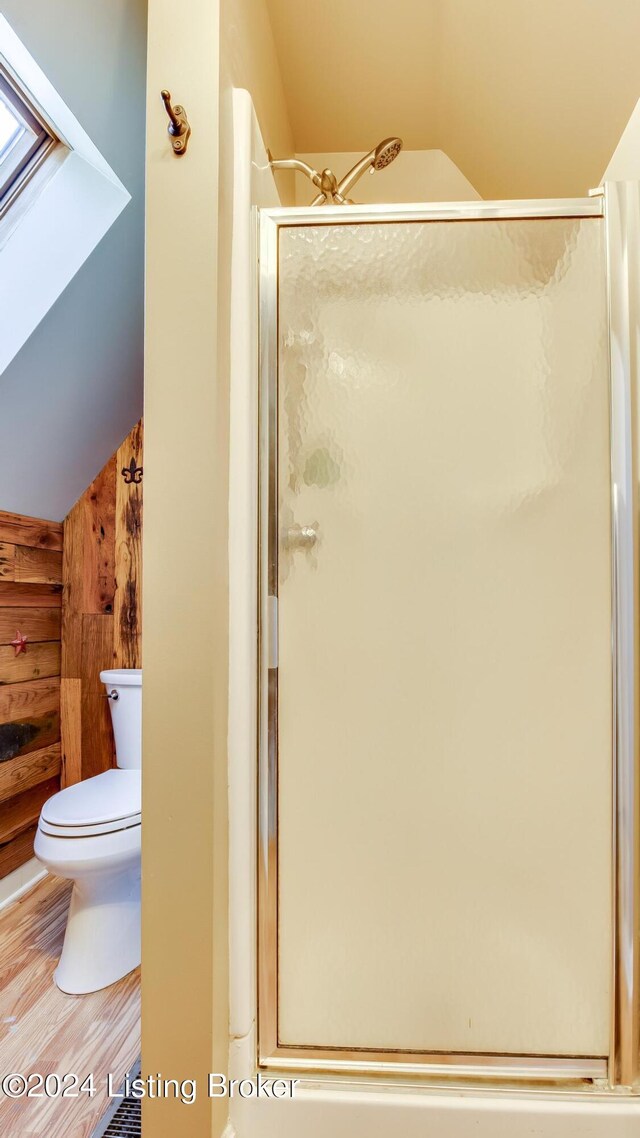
column 127, row 1121
column 124, row 1117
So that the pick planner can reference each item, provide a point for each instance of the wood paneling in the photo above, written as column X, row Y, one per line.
column 71, row 729
column 41, row 1029
column 38, row 662
column 98, row 562
column 101, row 608
column 97, row 747
column 89, row 549
column 74, row 592
column 14, row 853
column 22, row 813
column 128, row 556
column 23, row 773
column 31, row 604
column 29, row 596
column 29, row 734
column 38, row 566
column 7, row 561
column 36, row 698
column 34, row 532
column 36, row 624
column 31, row 566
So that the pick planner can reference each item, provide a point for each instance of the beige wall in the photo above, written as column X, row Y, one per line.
column 248, row 59
column 184, row 1002
column 186, row 643
column 415, row 176
column 528, row 98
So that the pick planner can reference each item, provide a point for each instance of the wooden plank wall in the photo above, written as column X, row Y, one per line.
column 30, row 750
column 75, row 593
column 101, row 606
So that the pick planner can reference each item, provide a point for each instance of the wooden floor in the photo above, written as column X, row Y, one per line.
column 43, row 1030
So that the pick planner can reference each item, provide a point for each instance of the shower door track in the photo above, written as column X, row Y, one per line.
column 619, row 205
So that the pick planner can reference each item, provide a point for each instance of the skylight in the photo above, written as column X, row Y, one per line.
column 24, row 139
column 11, row 129
column 58, row 195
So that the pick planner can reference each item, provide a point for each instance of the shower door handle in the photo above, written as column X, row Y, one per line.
column 301, row 537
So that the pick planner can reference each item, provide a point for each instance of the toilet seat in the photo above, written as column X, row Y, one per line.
column 100, row 805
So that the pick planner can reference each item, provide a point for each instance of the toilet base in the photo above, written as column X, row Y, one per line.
column 102, row 939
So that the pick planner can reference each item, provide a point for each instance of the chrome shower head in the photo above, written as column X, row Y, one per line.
column 385, row 153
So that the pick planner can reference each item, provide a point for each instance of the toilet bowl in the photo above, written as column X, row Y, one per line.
column 90, row 834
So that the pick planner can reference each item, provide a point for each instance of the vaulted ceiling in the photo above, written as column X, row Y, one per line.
column 528, row 97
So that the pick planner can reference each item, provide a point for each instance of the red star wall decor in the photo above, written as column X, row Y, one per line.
column 20, row 643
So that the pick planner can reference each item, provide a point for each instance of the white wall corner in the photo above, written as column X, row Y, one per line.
column 243, row 1055
column 624, row 165
column 65, row 220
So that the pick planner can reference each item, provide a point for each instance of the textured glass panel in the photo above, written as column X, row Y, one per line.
column 445, row 661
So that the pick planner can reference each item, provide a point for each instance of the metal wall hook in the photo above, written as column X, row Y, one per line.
column 178, row 129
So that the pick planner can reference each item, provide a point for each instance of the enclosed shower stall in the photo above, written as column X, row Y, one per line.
column 448, row 642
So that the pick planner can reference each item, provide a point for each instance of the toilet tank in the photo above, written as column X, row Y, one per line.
column 124, row 687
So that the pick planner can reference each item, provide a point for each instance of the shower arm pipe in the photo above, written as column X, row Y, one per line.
column 296, row 164
column 326, row 182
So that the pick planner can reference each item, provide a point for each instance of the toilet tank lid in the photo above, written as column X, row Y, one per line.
column 106, row 797
column 122, row 677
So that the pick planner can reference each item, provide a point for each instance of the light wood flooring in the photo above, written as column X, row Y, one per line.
column 45, row 1031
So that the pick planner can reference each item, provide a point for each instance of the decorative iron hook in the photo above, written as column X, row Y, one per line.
column 178, row 129
column 132, row 473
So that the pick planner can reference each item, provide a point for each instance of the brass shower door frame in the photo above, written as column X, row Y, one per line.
column 619, row 205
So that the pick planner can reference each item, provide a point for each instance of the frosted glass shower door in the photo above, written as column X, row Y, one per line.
column 444, row 714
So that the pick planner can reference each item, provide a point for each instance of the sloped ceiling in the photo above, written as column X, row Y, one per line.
column 527, row 97
column 74, row 390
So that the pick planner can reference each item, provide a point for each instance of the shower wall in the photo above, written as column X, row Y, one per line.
column 444, row 681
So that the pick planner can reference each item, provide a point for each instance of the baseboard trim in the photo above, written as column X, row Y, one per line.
column 20, row 881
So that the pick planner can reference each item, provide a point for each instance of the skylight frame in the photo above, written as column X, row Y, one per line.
column 30, row 149
column 58, row 219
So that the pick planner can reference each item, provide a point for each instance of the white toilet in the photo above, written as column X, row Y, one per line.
column 90, row 833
